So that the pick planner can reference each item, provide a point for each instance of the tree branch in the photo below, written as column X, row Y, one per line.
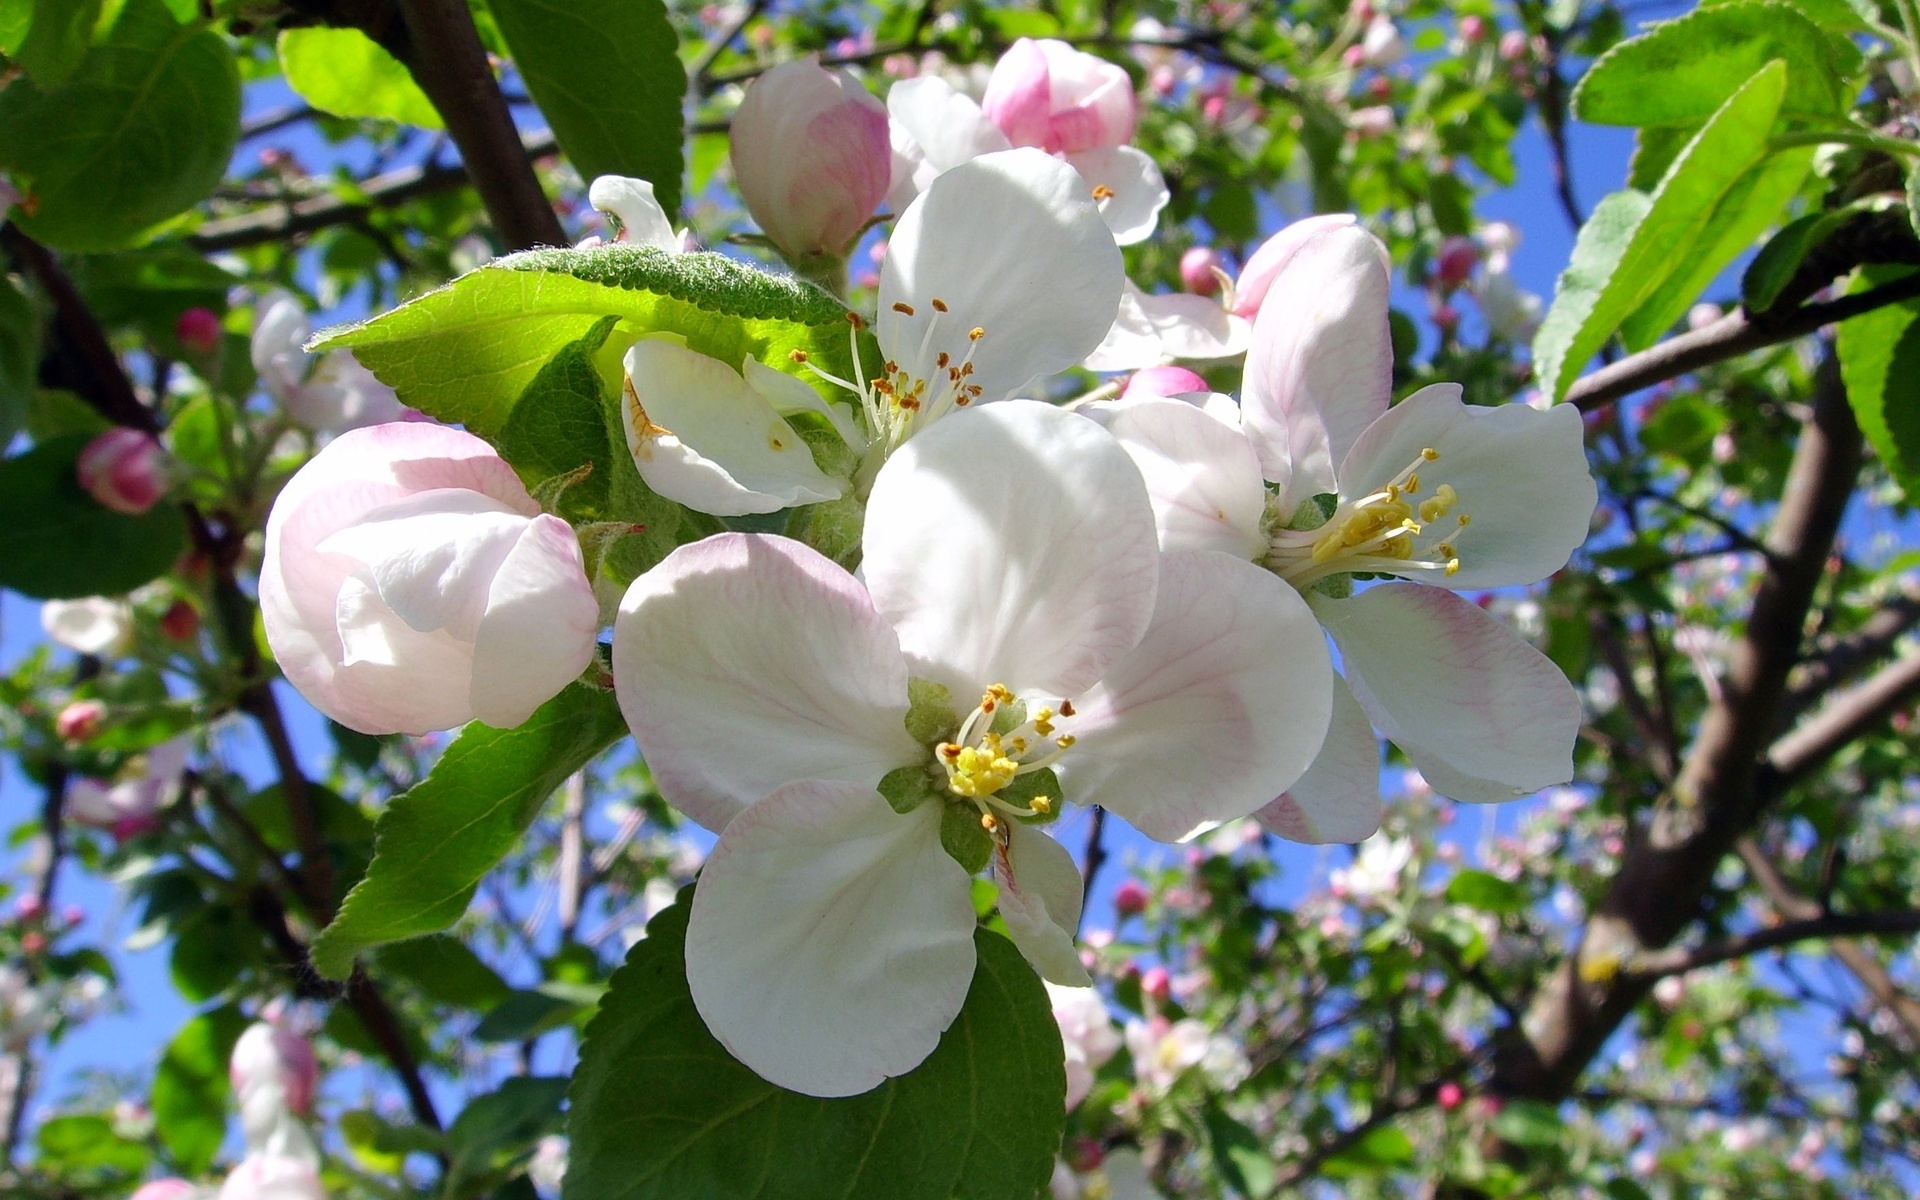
column 1678, row 959
column 1843, row 719
column 1842, row 658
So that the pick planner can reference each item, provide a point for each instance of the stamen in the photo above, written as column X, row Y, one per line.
column 939, row 305
column 976, row 333
column 1102, row 192
column 903, row 308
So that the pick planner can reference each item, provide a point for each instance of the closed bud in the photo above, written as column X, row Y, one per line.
column 1513, row 45
column 198, row 330
column 1473, row 29
column 271, row 1057
column 1382, row 43
column 1454, row 265
column 181, row 621
column 1130, row 898
column 1200, row 270
column 1704, row 314
column 1162, row 381
column 80, row 720
column 124, row 470
column 1156, row 984
column 812, row 158
column 1045, row 93
column 1450, row 1095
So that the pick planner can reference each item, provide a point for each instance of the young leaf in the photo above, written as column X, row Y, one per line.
column 348, row 74
column 607, row 76
column 438, row 838
column 660, row 1111
column 1771, row 270
column 1880, row 364
column 57, row 542
column 140, row 131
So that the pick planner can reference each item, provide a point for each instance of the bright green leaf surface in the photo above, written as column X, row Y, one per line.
column 559, row 425
column 57, row 541
column 1880, row 363
column 190, row 1088
column 1488, row 893
column 1779, row 260
column 1679, row 72
column 1633, row 242
column 607, row 76
column 502, row 1122
column 438, row 838
column 660, row 1111
column 141, row 131
column 57, row 39
column 347, row 73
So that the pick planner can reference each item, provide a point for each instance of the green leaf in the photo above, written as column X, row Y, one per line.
column 1748, row 209
column 1880, row 364
column 437, row 839
column 1488, row 893
column 1380, row 1150
column 1529, row 1123
column 1771, row 270
column 607, row 76
column 445, row 970
column 57, row 39
column 930, row 712
column 964, row 838
column 141, row 131
column 907, row 788
column 87, row 1142
column 500, row 1123
column 1238, row 1155
column 190, row 1088
column 526, row 1014
column 19, row 357
column 660, row 1111
column 559, row 425
column 1682, row 71
column 56, row 541
column 1633, row 242
column 348, row 74
column 467, row 352
column 1840, row 16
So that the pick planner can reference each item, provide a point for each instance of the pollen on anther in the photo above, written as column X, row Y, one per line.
column 939, row 305
column 853, row 319
column 943, row 360
column 1066, row 708
column 1041, row 805
column 976, row 333
column 1430, row 454
column 949, row 750
column 1066, row 740
column 1102, row 192
column 798, row 356
column 989, row 822
column 903, row 308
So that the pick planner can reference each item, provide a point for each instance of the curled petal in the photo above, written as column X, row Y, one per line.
column 1338, row 799
column 1012, row 544
column 1152, row 328
column 280, row 331
column 541, row 625
column 1464, row 695
column 1256, row 278
column 1040, row 896
column 831, row 938
column 934, row 128
column 631, row 203
column 1129, row 188
column 1221, row 708
column 1202, row 476
column 745, row 661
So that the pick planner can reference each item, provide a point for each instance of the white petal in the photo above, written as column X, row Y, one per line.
column 831, row 939
column 1338, row 799
column 934, row 129
column 1012, row 245
column 1321, row 365
column 1138, row 189
column 1202, row 476
column 1456, row 689
column 432, row 555
column 631, row 202
column 1223, row 706
column 1012, row 544
column 1521, row 474
column 700, row 436
column 1154, row 327
column 1040, row 895
column 541, row 627
column 745, row 661
column 390, row 677
column 790, row 395
column 279, row 332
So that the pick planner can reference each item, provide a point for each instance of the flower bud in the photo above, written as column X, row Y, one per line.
column 1513, row 45
column 30, row 907
column 271, row 1057
column 79, row 720
column 1130, row 898
column 1446, row 318
column 1473, row 29
column 124, row 470
column 199, row 331
column 1353, row 57
column 1702, row 315
column 1450, row 1095
column 1200, row 270
column 181, row 621
column 1162, row 381
column 33, row 942
column 1045, row 93
column 1156, row 984
column 812, row 158
column 1382, row 43
column 90, row 625
column 1454, row 265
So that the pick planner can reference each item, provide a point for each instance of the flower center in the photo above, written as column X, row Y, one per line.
column 901, row 400
column 1391, row 531
column 1000, row 742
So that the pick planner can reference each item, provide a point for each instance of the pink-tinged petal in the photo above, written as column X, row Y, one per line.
column 1155, row 382
column 815, row 201
column 1321, row 365
column 1013, row 246
column 541, row 626
column 831, row 939
column 1040, row 896
column 1093, row 101
column 1202, row 476
column 1129, row 187
column 1221, row 708
column 1257, row 276
column 1151, row 328
column 934, row 129
column 746, row 661
column 1019, row 96
column 342, row 395
column 1521, row 475
column 389, row 677
column 1012, row 544
column 432, row 555
column 631, row 203
column 1457, row 689
column 1338, row 799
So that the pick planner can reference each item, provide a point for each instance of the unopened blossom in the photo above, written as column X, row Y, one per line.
column 1087, row 1032
column 79, row 720
column 1431, row 491
column 96, row 625
column 1162, row 381
column 124, row 469
column 812, row 159
column 128, row 805
column 410, row 584
column 1454, row 263
column 273, row 1062
column 1044, row 94
column 862, row 746
column 634, row 216
column 199, row 330
column 331, row 395
column 1381, row 45
column 1201, row 270
column 170, row 1189
column 998, row 274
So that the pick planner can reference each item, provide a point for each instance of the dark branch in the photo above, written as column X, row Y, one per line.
column 1844, row 718
column 1676, row 960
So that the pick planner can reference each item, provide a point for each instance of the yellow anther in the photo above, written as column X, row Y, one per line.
column 1041, row 805
column 1430, row 454
column 1453, row 566
column 1445, row 550
column 1465, row 520
column 989, row 822
column 798, row 356
column 853, row 319
column 1102, row 192
column 976, row 333
column 939, row 305
column 903, row 308
column 1413, row 483
column 1065, row 741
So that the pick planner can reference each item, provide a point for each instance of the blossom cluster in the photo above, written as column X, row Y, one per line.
column 1124, row 602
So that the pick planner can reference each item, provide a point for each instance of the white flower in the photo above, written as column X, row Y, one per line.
column 1163, row 1051
column 1010, row 557
column 1376, row 869
column 548, row 1167
column 24, row 1011
column 1431, row 489
column 1087, row 1032
column 127, row 805
column 999, row 274
column 93, row 625
column 336, row 395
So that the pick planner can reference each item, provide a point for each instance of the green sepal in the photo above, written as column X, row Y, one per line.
column 930, row 715
column 1335, row 587
column 964, row 838
column 1009, row 717
column 907, row 788
column 1315, row 513
column 1025, row 789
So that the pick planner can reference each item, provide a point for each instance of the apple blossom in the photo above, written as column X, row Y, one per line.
column 273, row 1177
column 94, row 625
column 1130, row 898
column 25, row 1013
column 1087, row 1033
column 1381, row 45
column 998, row 274
column 124, row 469
column 1455, row 262
column 128, row 805
column 170, row 1189
column 335, row 394
column 410, row 584
column 1043, row 94
column 637, row 218
column 811, row 156
column 1432, row 490
column 199, row 330
column 1376, row 870
column 1009, row 555
column 1201, row 270
column 1164, row 1050
column 271, row 1059
column 80, row 720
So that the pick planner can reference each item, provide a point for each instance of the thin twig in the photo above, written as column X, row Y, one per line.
column 1678, row 959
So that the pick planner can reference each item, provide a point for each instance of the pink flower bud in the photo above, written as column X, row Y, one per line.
column 1250, row 290
column 1363, row 11
column 1084, row 1154
column 80, row 720
column 1454, row 265
column 1045, row 93
column 198, row 330
column 1513, row 45
column 1130, row 898
column 181, row 621
column 1162, row 80
column 1380, row 89
column 167, row 1189
column 123, row 470
column 33, row 942
column 1200, row 270
column 1162, row 381
column 272, row 1056
column 1450, row 1095
column 1353, row 57
column 812, row 158
column 1214, row 109
column 1473, row 29
column 1156, row 984
column 30, row 907
column 1446, row 318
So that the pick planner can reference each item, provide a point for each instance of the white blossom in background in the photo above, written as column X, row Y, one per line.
column 635, row 216
column 96, row 625
column 1088, row 1034
column 332, row 395
column 548, row 1166
column 769, row 691
column 1164, row 1050
column 25, row 1013
column 1376, row 870
column 127, row 806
